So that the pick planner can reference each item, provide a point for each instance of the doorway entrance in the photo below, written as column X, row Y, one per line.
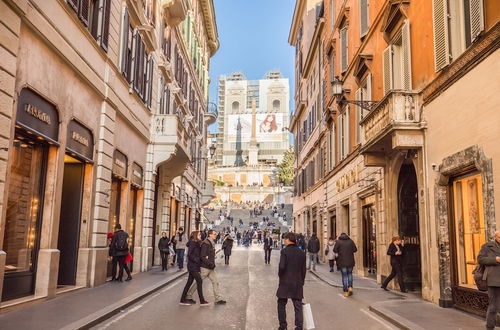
column 132, row 223
column 69, row 222
column 408, row 223
column 333, row 224
column 369, row 241
column 114, row 211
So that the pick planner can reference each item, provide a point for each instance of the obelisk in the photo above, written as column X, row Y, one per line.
column 253, row 150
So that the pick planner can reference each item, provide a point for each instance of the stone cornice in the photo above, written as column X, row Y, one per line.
column 296, row 19
column 210, row 25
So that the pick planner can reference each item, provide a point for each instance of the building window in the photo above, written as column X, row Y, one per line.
column 331, row 149
column 235, row 106
column 343, row 49
column 164, row 100
column 363, row 17
column 343, row 137
column 457, row 24
column 95, row 15
column 167, row 43
column 364, row 93
column 276, row 105
column 397, row 61
column 332, row 14
column 470, row 231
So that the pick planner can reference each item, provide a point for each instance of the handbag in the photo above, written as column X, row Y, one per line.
column 480, row 278
column 308, row 316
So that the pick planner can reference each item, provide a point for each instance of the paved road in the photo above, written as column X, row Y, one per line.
column 249, row 286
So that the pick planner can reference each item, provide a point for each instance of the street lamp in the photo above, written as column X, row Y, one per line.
column 338, row 90
column 211, row 150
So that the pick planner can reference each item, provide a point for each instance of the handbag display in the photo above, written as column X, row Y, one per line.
column 308, row 316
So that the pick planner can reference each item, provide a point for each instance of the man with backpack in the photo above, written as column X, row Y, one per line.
column 489, row 257
column 119, row 251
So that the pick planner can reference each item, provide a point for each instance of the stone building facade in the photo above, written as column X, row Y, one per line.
column 83, row 86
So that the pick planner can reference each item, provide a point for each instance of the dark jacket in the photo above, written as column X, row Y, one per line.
column 487, row 256
column 113, row 252
column 163, row 244
column 193, row 259
column 345, row 248
column 227, row 246
column 313, row 245
column 268, row 243
column 395, row 258
column 292, row 273
column 207, row 254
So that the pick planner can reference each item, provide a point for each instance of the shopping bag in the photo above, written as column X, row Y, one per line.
column 308, row 316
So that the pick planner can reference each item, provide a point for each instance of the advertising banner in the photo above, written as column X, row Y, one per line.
column 269, row 127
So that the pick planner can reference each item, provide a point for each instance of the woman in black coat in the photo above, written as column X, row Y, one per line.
column 193, row 266
column 395, row 250
column 227, row 246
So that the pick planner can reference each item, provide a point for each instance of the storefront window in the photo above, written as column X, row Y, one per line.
column 114, row 205
column 469, row 226
column 24, row 206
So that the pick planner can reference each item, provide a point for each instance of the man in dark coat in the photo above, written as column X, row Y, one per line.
column 163, row 244
column 489, row 256
column 345, row 249
column 313, row 249
column 395, row 250
column 119, row 251
column 292, row 273
column 268, row 248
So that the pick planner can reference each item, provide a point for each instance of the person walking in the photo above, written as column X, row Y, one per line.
column 227, row 246
column 489, row 256
column 163, row 246
column 268, row 248
column 292, row 274
column 238, row 237
column 119, row 251
column 181, row 239
column 173, row 245
column 345, row 249
column 395, row 250
column 193, row 266
column 207, row 267
column 330, row 255
column 114, row 261
column 313, row 249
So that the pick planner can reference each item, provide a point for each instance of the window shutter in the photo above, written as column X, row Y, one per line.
column 332, row 13
column 105, row 25
column 368, row 96
column 363, row 13
column 73, row 4
column 387, row 68
column 346, row 131
column 343, row 48
column 132, row 60
column 83, row 11
column 149, row 82
column 340, row 130
column 476, row 18
column 441, row 40
column 359, row 115
column 125, row 42
column 406, row 55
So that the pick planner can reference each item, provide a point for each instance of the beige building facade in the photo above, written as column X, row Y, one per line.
column 82, row 88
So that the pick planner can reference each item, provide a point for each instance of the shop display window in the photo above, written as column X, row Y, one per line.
column 470, row 232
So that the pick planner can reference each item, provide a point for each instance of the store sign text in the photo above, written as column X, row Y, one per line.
column 80, row 139
column 37, row 113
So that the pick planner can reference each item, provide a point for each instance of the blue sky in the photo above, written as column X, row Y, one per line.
column 253, row 37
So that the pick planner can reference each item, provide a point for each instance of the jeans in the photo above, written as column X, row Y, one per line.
column 164, row 260
column 313, row 258
column 180, row 257
column 493, row 307
column 199, row 285
column 297, row 306
column 267, row 255
column 212, row 276
column 346, row 277
column 396, row 271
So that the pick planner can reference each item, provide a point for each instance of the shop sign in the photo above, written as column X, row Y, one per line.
column 37, row 115
column 80, row 140
column 137, row 174
column 120, row 164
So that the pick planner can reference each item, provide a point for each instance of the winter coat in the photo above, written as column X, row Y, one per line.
column 345, row 248
column 227, row 246
column 193, row 259
column 163, row 244
column 395, row 258
column 313, row 245
column 207, row 254
column 330, row 255
column 113, row 252
column 292, row 273
column 487, row 256
column 181, row 240
column 268, row 243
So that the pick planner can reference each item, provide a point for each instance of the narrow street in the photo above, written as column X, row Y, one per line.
column 249, row 286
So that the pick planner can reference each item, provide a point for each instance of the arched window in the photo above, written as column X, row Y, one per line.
column 276, row 105
column 236, row 106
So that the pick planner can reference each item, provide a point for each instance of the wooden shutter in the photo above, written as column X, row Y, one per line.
column 132, row 59
column 149, row 82
column 346, row 130
column 83, row 11
column 105, row 24
column 73, row 4
column 332, row 13
column 340, row 126
column 441, row 38
column 363, row 17
column 476, row 18
column 387, row 68
column 343, row 48
column 359, row 114
column 368, row 96
column 406, row 58
column 125, row 43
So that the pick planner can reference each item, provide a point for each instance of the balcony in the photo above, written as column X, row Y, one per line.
column 171, row 145
column 175, row 11
column 211, row 114
column 208, row 193
column 394, row 123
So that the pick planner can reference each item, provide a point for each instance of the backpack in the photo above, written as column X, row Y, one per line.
column 121, row 243
column 478, row 274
